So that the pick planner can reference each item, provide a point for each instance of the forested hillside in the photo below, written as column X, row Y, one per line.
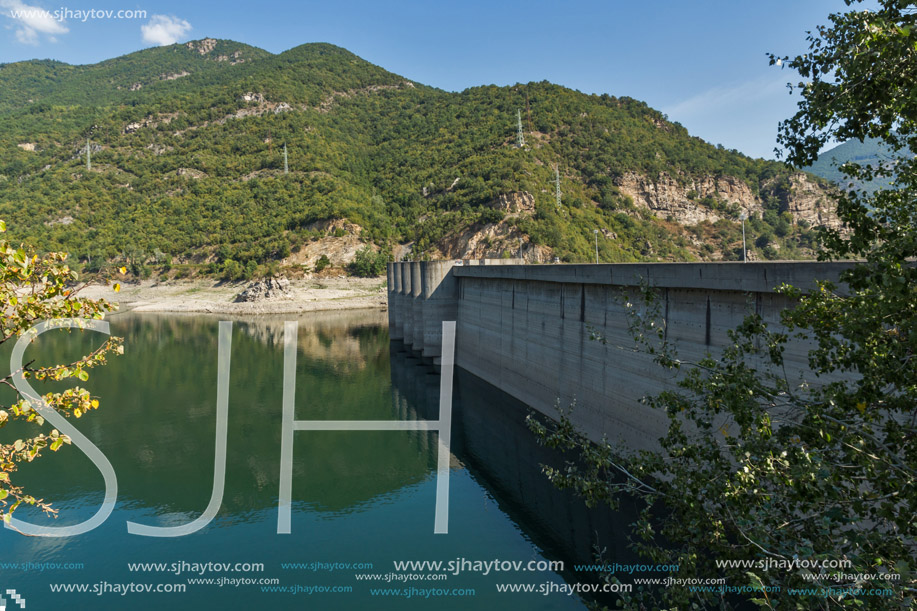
column 871, row 152
column 187, row 167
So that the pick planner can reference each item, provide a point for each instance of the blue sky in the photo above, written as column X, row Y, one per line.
column 701, row 62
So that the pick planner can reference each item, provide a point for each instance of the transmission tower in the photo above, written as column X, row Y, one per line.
column 88, row 156
column 520, row 135
column 557, row 184
column 286, row 163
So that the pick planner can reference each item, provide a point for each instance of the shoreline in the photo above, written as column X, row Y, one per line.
column 211, row 297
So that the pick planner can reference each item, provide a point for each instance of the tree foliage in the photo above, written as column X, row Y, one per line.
column 760, row 466
column 193, row 166
column 368, row 263
column 33, row 289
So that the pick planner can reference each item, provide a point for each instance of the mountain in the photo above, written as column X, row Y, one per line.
column 187, row 167
column 870, row 152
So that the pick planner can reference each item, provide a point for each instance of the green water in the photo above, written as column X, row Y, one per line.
column 358, row 496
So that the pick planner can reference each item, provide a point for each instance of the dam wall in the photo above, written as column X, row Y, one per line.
column 556, row 336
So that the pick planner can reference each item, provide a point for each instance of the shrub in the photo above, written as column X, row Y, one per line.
column 322, row 263
column 368, row 264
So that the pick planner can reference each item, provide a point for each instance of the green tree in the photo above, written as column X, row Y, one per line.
column 811, row 471
column 322, row 263
column 34, row 289
column 367, row 263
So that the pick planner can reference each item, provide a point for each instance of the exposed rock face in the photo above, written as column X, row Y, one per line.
column 340, row 244
column 493, row 241
column 190, row 173
column 808, row 201
column 174, row 75
column 667, row 196
column 272, row 289
column 202, row 46
column 149, row 121
column 26, row 146
column 64, row 220
column 514, row 203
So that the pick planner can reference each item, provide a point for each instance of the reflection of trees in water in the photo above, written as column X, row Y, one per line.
column 346, row 338
column 157, row 424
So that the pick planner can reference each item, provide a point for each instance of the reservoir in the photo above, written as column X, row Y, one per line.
column 362, row 501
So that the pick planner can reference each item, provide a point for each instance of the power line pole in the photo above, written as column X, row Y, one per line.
column 520, row 135
column 557, row 185
column 286, row 163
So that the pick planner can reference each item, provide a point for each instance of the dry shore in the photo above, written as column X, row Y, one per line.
column 309, row 295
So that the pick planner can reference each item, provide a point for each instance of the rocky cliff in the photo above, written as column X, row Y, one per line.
column 689, row 201
column 501, row 239
column 807, row 201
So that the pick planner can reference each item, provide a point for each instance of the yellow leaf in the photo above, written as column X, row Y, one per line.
column 123, row 270
column 116, row 287
column 861, row 406
column 94, row 403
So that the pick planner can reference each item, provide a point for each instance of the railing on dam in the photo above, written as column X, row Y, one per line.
column 528, row 329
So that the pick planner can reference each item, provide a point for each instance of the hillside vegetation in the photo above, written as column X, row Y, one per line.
column 870, row 152
column 187, row 167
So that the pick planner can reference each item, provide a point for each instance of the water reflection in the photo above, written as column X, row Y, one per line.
column 491, row 440
column 357, row 496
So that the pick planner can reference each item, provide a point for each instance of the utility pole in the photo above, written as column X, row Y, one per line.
column 286, row 163
column 520, row 135
column 557, row 185
column 596, row 232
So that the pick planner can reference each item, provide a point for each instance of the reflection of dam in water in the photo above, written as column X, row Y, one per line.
column 490, row 439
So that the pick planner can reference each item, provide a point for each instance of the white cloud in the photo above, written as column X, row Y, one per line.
column 30, row 21
column 163, row 30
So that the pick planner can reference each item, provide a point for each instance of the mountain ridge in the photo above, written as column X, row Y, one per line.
column 190, row 165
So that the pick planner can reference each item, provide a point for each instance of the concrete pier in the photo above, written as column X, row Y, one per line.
column 406, row 304
column 417, row 306
column 527, row 329
column 395, row 324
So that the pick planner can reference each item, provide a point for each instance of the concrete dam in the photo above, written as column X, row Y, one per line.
column 528, row 329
